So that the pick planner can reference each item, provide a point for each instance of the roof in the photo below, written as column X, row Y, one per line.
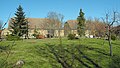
column 72, row 24
column 40, row 23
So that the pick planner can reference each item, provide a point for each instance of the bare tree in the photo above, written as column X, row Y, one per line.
column 55, row 22
column 99, row 27
column 109, row 24
column 1, row 24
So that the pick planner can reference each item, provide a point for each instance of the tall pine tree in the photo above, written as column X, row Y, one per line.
column 19, row 24
column 81, row 23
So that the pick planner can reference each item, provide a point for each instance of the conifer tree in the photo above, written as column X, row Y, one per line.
column 81, row 23
column 19, row 24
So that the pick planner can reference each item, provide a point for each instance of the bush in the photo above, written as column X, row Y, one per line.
column 12, row 38
column 71, row 36
column 115, row 63
column 34, row 35
column 113, row 37
column 40, row 37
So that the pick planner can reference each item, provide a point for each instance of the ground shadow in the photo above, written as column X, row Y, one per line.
column 101, row 51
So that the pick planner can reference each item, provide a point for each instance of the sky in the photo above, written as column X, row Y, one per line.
column 69, row 8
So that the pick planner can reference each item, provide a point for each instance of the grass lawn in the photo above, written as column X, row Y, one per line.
column 96, row 49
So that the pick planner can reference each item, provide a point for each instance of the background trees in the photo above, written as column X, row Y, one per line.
column 116, row 31
column 19, row 23
column 95, row 27
column 81, row 23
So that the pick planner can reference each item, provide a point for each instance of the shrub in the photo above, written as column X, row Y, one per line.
column 12, row 38
column 40, row 37
column 113, row 37
column 115, row 63
column 34, row 35
column 71, row 36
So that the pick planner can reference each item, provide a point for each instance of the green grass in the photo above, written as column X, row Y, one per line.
column 96, row 49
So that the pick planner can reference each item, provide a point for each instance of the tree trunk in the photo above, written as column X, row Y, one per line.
column 110, row 45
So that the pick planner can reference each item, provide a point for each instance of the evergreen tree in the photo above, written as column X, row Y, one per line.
column 19, row 23
column 81, row 23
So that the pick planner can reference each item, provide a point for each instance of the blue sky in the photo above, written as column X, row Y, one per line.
column 69, row 8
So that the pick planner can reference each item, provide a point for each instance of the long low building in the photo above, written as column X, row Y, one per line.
column 46, row 27
column 43, row 26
